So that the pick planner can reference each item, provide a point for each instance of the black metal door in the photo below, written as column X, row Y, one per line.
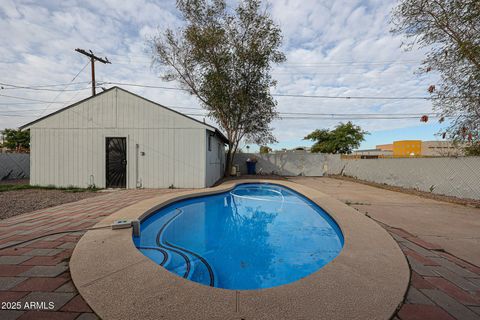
column 116, row 156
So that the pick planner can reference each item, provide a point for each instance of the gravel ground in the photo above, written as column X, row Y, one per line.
column 16, row 181
column 13, row 203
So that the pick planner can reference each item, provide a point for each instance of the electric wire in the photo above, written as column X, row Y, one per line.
column 27, row 99
column 273, row 94
column 64, row 88
column 42, row 89
column 280, row 112
column 283, row 115
column 280, row 94
column 18, row 86
column 145, row 58
column 335, row 117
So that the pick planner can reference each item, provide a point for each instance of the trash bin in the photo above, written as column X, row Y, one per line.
column 251, row 167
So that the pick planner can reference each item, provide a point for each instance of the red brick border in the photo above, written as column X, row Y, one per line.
column 442, row 286
column 38, row 271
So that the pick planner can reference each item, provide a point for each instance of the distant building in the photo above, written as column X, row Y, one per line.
column 371, row 153
column 411, row 148
column 415, row 148
column 442, row 149
column 385, row 147
column 407, row 148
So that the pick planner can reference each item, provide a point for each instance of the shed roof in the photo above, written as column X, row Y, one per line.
column 207, row 126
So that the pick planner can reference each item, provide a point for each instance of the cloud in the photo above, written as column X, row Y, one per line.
column 333, row 48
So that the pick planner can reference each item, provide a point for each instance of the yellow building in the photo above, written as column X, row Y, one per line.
column 407, row 148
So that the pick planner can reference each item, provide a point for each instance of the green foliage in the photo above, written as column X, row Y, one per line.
column 450, row 31
column 343, row 139
column 224, row 56
column 16, row 139
column 473, row 149
column 265, row 149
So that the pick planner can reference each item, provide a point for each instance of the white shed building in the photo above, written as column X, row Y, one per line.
column 118, row 139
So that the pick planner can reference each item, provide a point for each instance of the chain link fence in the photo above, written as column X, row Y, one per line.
column 458, row 177
column 285, row 163
column 14, row 166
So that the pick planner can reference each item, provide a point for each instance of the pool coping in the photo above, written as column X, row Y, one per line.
column 367, row 280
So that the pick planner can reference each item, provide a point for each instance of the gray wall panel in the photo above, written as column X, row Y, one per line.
column 14, row 166
column 458, row 177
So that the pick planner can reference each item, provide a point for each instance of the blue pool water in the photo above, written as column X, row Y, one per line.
column 255, row 236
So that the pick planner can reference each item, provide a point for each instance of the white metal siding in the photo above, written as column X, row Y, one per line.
column 215, row 159
column 68, row 148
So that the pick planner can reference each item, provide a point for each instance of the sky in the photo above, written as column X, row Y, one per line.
column 333, row 48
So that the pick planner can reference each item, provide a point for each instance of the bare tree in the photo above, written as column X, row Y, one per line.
column 224, row 58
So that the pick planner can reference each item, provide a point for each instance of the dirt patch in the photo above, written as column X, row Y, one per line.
column 15, row 181
column 13, row 203
column 466, row 202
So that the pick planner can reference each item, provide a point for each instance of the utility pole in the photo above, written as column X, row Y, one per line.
column 92, row 62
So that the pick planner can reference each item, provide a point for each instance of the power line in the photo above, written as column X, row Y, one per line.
column 282, row 115
column 332, row 117
column 360, row 114
column 71, row 99
column 28, row 99
column 320, row 64
column 37, row 87
column 20, row 110
column 143, row 58
column 340, row 73
column 331, row 114
column 64, row 88
column 287, row 65
column 46, row 89
column 379, row 117
column 18, row 115
column 304, row 113
column 93, row 58
column 287, row 114
column 274, row 94
column 372, row 115
column 280, row 118
column 297, row 70
column 142, row 86
column 21, row 103
column 284, row 95
column 348, row 97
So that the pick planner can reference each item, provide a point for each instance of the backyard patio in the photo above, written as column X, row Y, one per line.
column 445, row 277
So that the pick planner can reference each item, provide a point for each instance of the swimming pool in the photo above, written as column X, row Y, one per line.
column 258, row 235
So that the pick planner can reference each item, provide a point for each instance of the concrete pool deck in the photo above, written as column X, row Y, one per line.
column 368, row 280
column 442, row 285
column 455, row 228
column 441, row 241
column 37, row 271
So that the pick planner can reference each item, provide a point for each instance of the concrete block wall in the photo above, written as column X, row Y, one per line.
column 285, row 163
